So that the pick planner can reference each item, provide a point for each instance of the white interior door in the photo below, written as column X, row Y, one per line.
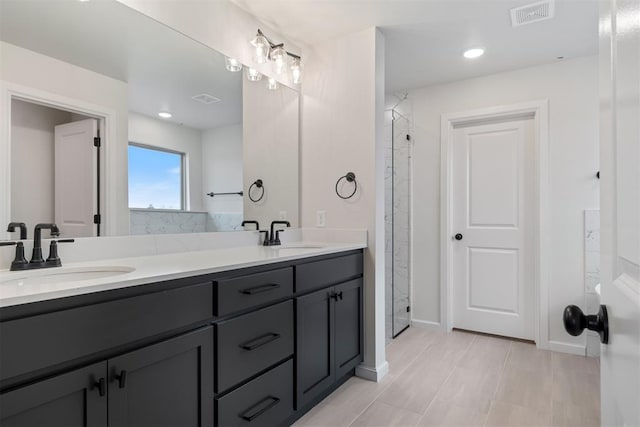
column 75, row 174
column 492, row 225
column 620, row 210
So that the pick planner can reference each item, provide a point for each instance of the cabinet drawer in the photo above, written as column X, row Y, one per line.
column 314, row 275
column 251, row 343
column 249, row 291
column 265, row 401
column 44, row 340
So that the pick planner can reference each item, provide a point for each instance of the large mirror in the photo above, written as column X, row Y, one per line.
column 185, row 145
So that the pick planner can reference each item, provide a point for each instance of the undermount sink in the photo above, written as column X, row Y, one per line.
column 62, row 275
column 300, row 245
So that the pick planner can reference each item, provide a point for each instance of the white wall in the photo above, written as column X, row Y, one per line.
column 23, row 68
column 222, row 167
column 571, row 86
column 342, row 131
column 157, row 133
column 32, row 178
column 270, row 151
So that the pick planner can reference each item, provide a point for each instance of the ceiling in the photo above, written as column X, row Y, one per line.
column 425, row 38
column 163, row 68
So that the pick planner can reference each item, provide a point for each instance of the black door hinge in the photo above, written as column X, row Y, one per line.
column 96, row 141
column 97, row 219
column 408, row 309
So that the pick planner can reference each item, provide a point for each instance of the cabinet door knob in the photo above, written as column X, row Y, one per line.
column 122, row 378
column 575, row 322
column 101, row 385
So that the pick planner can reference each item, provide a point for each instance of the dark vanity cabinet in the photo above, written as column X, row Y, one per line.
column 257, row 346
column 329, row 337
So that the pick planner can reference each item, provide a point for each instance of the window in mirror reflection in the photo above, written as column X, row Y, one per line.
column 156, row 178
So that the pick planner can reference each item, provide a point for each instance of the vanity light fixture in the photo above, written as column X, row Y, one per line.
column 473, row 53
column 272, row 84
column 265, row 50
column 232, row 64
column 296, row 71
column 164, row 115
column 261, row 48
column 253, row 75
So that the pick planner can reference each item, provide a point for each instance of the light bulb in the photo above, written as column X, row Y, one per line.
column 473, row 53
column 296, row 71
column 165, row 115
column 232, row 64
column 253, row 75
column 279, row 57
column 261, row 48
column 272, row 84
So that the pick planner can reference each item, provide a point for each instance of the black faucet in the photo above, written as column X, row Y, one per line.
column 23, row 229
column 36, row 257
column 274, row 240
column 251, row 222
column 20, row 262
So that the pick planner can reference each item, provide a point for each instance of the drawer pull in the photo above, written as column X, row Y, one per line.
column 101, row 386
column 249, row 416
column 122, row 379
column 259, row 341
column 259, row 289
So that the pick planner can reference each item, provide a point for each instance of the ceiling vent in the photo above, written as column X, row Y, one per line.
column 531, row 13
column 205, row 98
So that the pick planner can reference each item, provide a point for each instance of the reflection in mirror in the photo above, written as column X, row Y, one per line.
column 174, row 126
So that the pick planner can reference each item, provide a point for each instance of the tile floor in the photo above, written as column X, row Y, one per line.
column 464, row 379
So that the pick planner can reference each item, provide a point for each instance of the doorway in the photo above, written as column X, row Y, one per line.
column 54, row 168
column 492, row 251
column 493, row 217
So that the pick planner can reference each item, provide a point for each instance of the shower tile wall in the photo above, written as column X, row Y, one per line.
column 397, row 219
column 592, row 273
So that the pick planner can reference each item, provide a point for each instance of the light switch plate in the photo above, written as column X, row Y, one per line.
column 321, row 218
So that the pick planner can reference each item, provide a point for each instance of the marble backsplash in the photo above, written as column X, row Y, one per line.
column 167, row 222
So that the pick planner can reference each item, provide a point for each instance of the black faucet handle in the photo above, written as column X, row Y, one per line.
column 265, row 240
column 19, row 261
column 54, row 260
column 21, row 225
column 276, row 241
column 8, row 243
column 251, row 222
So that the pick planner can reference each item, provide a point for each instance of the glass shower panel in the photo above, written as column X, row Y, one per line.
column 401, row 221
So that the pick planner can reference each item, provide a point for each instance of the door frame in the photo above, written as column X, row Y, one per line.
column 540, row 111
column 107, row 124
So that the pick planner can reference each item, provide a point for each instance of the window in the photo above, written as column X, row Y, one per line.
column 156, row 178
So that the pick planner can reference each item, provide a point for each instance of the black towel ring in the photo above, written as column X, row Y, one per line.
column 350, row 177
column 258, row 184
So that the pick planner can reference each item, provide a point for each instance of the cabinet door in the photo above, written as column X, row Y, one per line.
column 73, row 399
column 314, row 345
column 348, row 326
column 166, row 384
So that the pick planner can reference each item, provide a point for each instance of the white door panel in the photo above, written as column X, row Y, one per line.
column 75, row 173
column 492, row 203
column 620, row 213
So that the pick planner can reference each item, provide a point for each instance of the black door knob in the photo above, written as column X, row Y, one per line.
column 458, row 236
column 575, row 322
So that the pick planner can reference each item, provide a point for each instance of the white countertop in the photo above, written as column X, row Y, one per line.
column 151, row 269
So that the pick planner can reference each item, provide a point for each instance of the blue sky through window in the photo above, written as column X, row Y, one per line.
column 155, row 179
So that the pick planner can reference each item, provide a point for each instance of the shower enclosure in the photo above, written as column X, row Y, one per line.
column 398, row 223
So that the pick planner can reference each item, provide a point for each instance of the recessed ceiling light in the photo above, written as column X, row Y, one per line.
column 164, row 115
column 473, row 53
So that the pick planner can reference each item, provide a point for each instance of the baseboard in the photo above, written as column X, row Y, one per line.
column 564, row 347
column 426, row 324
column 371, row 373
